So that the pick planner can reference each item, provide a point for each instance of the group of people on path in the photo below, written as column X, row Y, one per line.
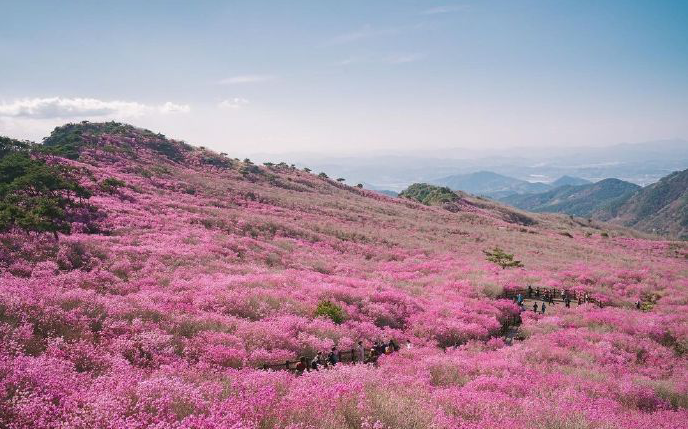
column 359, row 355
column 548, row 295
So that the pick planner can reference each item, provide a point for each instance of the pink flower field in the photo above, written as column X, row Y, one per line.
column 205, row 268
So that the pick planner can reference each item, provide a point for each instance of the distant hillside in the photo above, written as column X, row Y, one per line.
column 490, row 184
column 569, row 180
column 661, row 207
column 387, row 192
column 582, row 200
column 456, row 201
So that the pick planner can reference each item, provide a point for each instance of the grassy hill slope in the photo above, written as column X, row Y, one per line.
column 204, row 268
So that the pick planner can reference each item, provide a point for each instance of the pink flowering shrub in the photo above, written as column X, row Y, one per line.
column 208, row 268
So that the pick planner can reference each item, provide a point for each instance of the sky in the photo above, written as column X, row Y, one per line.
column 350, row 76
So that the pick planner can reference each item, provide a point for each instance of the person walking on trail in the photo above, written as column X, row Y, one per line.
column 530, row 291
column 543, row 308
column 333, row 357
column 535, row 307
column 360, row 352
column 520, row 299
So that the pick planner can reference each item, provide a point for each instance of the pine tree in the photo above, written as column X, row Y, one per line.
column 501, row 258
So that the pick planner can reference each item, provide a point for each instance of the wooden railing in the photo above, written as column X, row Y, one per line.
column 344, row 356
column 558, row 295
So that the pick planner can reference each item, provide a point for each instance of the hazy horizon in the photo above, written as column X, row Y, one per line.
column 351, row 77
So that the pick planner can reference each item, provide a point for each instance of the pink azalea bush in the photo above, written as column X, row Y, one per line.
column 205, row 271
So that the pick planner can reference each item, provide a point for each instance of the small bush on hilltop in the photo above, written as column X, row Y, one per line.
column 429, row 194
column 501, row 258
column 330, row 310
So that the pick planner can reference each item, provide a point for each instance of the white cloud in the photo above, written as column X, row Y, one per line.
column 403, row 58
column 171, row 107
column 57, row 107
column 247, row 78
column 65, row 108
column 364, row 32
column 443, row 9
column 232, row 103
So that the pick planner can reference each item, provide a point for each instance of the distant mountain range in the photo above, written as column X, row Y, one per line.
column 639, row 163
column 581, row 200
column 499, row 186
column 569, row 180
column 490, row 184
column 660, row 208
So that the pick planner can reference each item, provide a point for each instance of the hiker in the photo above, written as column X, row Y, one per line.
column 408, row 345
column 360, row 352
column 567, row 301
column 537, row 291
column 301, row 366
column 530, row 291
column 333, row 357
column 316, row 361
column 543, row 308
column 535, row 307
column 520, row 299
column 380, row 349
column 637, row 304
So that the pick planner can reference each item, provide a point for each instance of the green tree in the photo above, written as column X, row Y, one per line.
column 36, row 196
column 501, row 258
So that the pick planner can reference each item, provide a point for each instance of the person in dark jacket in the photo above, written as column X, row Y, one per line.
column 333, row 357
column 535, row 307
column 380, row 348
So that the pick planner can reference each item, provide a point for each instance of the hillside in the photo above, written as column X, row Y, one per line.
column 200, row 268
column 582, row 200
column 490, row 184
column 660, row 208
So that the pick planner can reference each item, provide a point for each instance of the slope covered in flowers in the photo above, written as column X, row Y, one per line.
column 205, row 268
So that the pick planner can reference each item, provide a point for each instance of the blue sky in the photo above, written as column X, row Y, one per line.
column 350, row 76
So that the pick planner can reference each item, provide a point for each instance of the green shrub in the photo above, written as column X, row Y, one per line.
column 429, row 194
column 330, row 310
column 110, row 185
